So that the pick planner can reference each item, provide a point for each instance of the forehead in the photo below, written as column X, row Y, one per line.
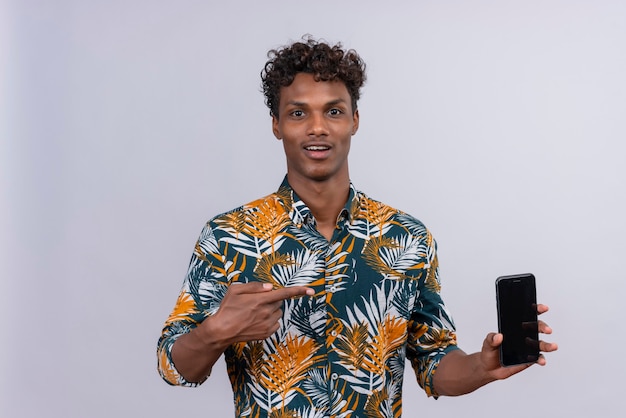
column 305, row 89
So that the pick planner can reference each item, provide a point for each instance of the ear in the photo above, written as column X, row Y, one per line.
column 275, row 128
column 355, row 122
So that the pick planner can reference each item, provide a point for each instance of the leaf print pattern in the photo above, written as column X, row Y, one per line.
column 185, row 306
column 342, row 351
column 295, row 269
column 284, row 369
column 351, row 346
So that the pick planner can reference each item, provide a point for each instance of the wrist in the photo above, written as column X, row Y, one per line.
column 211, row 335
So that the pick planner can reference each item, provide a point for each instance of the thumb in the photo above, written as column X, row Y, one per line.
column 493, row 341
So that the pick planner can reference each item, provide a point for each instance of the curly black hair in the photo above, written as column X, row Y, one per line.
column 326, row 62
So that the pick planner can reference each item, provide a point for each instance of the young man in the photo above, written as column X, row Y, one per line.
column 317, row 294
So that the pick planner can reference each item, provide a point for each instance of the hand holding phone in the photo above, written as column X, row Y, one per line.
column 517, row 319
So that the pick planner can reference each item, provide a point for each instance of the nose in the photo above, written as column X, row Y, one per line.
column 317, row 125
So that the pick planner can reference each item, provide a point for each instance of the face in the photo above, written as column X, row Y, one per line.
column 315, row 122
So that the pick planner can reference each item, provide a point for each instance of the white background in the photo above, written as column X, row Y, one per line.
column 125, row 125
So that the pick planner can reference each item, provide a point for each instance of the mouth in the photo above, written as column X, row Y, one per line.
column 317, row 151
column 317, row 148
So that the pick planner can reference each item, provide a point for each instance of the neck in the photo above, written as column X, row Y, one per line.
column 325, row 198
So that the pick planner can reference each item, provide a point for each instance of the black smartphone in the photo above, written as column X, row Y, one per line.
column 517, row 319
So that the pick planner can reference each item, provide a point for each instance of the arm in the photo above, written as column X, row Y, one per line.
column 211, row 314
column 248, row 312
column 459, row 373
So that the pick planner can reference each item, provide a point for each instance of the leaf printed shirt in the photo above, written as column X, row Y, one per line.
column 341, row 352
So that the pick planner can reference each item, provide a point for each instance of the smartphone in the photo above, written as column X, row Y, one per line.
column 517, row 319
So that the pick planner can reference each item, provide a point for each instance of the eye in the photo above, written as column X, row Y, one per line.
column 297, row 113
column 335, row 112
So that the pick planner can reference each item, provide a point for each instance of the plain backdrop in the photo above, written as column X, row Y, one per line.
column 126, row 125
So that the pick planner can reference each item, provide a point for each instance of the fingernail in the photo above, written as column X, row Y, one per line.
column 267, row 286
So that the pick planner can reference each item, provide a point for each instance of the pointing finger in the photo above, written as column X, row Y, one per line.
column 289, row 292
column 252, row 287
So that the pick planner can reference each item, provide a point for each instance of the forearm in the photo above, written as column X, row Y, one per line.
column 459, row 373
column 248, row 312
column 195, row 353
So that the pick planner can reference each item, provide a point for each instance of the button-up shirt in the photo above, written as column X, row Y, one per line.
column 341, row 352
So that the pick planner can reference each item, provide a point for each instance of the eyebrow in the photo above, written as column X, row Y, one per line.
column 336, row 101
column 331, row 103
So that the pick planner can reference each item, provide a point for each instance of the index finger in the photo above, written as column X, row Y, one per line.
column 288, row 292
column 542, row 308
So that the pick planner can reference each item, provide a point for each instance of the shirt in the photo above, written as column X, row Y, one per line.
column 338, row 353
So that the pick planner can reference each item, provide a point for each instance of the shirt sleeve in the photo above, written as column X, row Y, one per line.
column 202, row 291
column 432, row 333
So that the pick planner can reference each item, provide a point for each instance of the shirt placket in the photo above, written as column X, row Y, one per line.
column 333, row 325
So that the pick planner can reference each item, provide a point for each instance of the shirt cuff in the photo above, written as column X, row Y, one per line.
column 166, row 366
column 428, row 369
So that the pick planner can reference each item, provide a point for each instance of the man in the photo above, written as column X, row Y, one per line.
column 317, row 294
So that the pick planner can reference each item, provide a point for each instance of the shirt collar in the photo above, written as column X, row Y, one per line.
column 300, row 214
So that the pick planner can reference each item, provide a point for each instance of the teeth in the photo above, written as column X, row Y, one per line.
column 316, row 148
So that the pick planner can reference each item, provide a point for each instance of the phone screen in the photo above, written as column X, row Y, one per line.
column 517, row 319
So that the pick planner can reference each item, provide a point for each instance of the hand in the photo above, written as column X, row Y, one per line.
column 249, row 311
column 490, row 356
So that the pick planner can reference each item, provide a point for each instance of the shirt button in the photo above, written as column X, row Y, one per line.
column 334, row 376
column 333, row 333
column 332, row 289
